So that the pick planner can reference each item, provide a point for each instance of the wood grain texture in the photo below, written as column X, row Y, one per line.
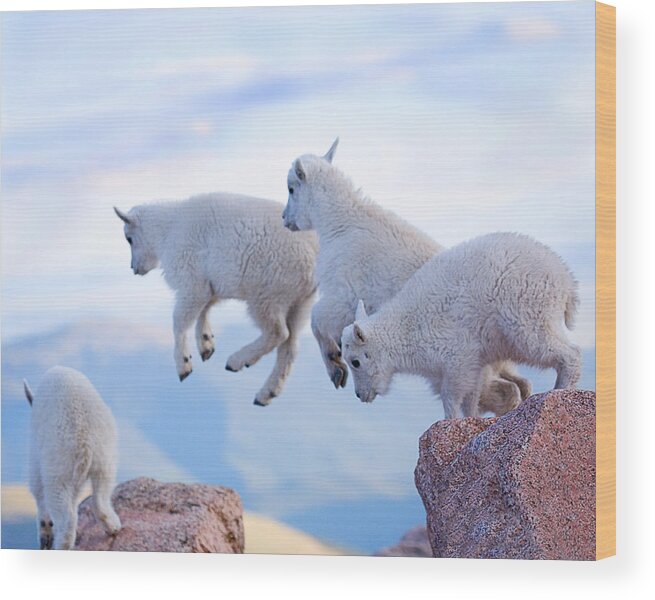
column 605, row 280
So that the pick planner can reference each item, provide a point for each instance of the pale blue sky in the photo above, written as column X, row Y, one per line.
column 463, row 118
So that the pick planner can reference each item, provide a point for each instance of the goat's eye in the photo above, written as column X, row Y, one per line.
column 291, row 190
column 42, row 523
column 129, row 241
column 355, row 363
column 50, row 523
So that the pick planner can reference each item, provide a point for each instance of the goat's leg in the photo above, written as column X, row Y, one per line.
column 497, row 394
column 274, row 332
column 61, row 505
column 286, row 353
column 545, row 345
column 204, row 335
column 506, row 370
column 187, row 308
column 327, row 325
column 460, row 390
column 44, row 522
column 102, row 482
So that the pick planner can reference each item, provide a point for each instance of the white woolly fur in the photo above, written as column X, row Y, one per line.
column 228, row 246
column 72, row 440
column 498, row 297
column 367, row 253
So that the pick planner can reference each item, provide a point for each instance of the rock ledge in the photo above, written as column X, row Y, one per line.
column 167, row 517
column 521, row 486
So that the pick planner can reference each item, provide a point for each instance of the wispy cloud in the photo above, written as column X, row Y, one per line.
column 532, row 30
column 462, row 118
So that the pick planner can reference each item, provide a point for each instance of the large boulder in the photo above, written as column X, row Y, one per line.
column 413, row 543
column 521, row 486
column 167, row 517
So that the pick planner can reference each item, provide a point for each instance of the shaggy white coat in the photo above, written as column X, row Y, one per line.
column 368, row 253
column 227, row 246
column 72, row 440
column 498, row 297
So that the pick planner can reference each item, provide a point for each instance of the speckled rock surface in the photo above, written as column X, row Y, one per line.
column 521, row 486
column 414, row 543
column 167, row 517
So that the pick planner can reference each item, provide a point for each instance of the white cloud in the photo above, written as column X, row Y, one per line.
column 202, row 65
column 527, row 29
column 436, row 155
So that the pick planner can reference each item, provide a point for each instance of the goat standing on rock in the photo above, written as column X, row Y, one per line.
column 226, row 246
column 73, row 439
column 366, row 253
column 498, row 297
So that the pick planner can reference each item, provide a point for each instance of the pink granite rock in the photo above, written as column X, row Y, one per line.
column 520, row 486
column 167, row 517
column 414, row 543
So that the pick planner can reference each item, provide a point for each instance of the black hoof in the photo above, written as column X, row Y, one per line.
column 259, row 403
column 247, row 366
column 339, row 378
column 185, row 375
column 45, row 542
column 229, row 368
column 206, row 355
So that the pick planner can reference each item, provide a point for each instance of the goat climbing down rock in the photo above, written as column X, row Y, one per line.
column 73, row 439
column 498, row 297
column 226, row 246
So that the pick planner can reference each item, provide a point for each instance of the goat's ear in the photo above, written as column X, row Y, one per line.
column 360, row 313
column 28, row 392
column 122, row 216
column 299, row 170
column 330, row 153
column 359, row 334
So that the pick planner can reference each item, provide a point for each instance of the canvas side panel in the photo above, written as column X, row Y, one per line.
column 605, row 280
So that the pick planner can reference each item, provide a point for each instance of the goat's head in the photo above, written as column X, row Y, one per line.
column 296, row 215
column 144, row 257
column 366, row 358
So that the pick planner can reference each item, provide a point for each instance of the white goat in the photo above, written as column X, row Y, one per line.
column 73, row 439
column 366, row 253
column 221, row 246
column 498, row 297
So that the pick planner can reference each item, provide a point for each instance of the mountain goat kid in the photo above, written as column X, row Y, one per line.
column 73, row 439
column 498, row 297
column 366, row 253
column 226, row 246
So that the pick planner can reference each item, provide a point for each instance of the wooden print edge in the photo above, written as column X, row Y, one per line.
column 605, row 280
